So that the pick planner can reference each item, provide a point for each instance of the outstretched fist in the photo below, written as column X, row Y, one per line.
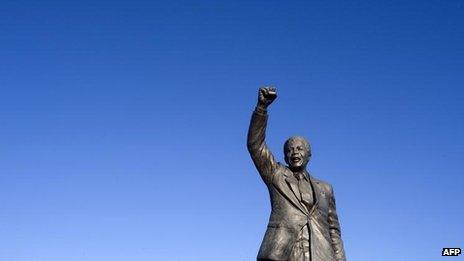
column 266, row 96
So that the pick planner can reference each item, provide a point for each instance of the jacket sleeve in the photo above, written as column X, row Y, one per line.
column 334, row 228
column 260, row 153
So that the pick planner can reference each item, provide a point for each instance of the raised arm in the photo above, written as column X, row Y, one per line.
column 334, row 228
column 260, row 153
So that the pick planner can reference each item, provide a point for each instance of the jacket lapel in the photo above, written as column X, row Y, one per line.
column 288, row 190
column 293, row 184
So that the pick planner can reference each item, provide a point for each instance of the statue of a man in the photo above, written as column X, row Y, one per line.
column 303, row 225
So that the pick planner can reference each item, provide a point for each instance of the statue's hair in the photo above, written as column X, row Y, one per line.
column 299, row 138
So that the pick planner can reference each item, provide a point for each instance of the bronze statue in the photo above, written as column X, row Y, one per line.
column 303, row 225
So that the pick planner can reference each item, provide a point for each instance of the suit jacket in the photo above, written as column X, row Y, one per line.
column 288, row 215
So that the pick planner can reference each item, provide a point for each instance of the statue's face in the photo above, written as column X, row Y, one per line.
column 297, row 153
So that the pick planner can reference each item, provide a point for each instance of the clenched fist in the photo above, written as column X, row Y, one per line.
column 266, row 96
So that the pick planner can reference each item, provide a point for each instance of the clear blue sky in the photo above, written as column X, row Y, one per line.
column 123, row 124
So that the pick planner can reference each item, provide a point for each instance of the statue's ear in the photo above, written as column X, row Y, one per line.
column 309, row 158
column 286, row 159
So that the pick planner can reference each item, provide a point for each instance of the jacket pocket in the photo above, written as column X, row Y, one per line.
column 277, row 243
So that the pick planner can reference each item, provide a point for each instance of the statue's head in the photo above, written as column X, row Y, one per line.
column 297, row 153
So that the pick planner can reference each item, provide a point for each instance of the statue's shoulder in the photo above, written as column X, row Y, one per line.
column 323, row 184
column 282, row 169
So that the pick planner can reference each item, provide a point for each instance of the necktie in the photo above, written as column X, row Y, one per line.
column 305, row 190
